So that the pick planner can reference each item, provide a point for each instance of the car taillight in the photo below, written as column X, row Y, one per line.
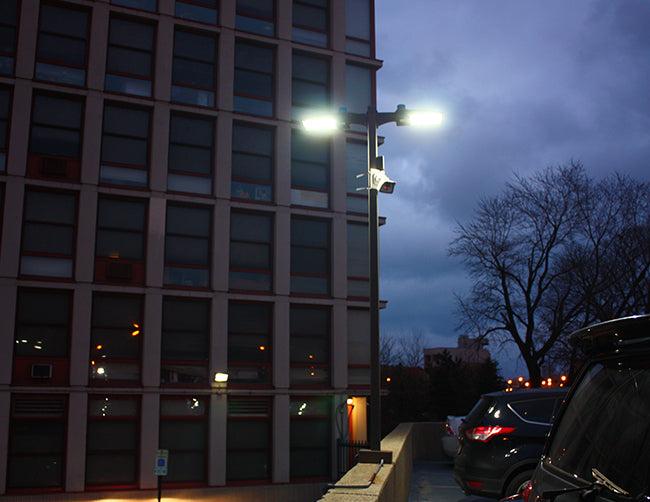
column 525, row 493
column 485, row 433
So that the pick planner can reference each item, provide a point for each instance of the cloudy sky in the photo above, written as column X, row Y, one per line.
column 524, row 84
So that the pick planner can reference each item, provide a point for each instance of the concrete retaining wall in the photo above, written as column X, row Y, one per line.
column 408, row 442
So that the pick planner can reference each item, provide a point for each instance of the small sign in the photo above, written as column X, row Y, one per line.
column 160, row 468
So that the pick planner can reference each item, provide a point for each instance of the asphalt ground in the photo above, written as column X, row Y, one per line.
column 433, row 481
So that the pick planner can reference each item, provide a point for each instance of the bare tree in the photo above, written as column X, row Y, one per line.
column 551, row 253
column 405, row 347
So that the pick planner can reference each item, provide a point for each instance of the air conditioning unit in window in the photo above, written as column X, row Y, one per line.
column 41, row 370
column 44, row 166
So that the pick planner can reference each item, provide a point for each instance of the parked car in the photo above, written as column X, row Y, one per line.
column 599, row 447
column 502, row 439
column 450, row 439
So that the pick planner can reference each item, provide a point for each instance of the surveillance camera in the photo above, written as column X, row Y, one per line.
column 380, row 182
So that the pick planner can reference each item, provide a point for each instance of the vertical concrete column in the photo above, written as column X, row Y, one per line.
column 337, row 25
column 26, row 48
column 87, row 218
column 75, row 469
column 339, row 175
column 159, row 147
column 217, row 440
column 97, row 46
column 281, row 342
column 156, row 242
column 281, row 439
column 149, row 428
column 151, row 343
column 222, row 156
column 8, row 293
column 339, row 357
column 218, row 336
column 20, row 115
column 92, row 139
column 226, row 70
column 163, row 65
column 339, row 250
column 5, row 415
column 221, row 249
column 283, row 57
column 80, row 335
column 283, row 164
column 282, row 251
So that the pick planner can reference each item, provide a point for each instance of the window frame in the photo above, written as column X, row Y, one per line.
column 169, row 265
column 309, row 34
column 296, row 334
column 308, row 167
column 299, row 79
column 233, row 269
column 5, row 123
column 124, row 77
column 248, row 103
column 265, row 366
column 297, row 247
column 179, row 88
column 8, row 59
column 116, row 134
column 298, row 446
column 49, row 223
column 262, row 190
column 190, row 174
column 353, row 257
column 116, row 269
column 199, row 6
column 134, row 452
column 254, row 23
column 40, row 61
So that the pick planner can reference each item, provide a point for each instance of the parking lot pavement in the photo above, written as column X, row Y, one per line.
column 433, row 481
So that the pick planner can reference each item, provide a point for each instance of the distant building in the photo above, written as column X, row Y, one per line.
column 163, row 219
column 469, row 350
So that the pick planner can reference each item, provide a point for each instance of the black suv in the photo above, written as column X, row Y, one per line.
column 599, row 447
column 502, row 439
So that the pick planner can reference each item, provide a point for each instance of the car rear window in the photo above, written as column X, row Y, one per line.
column 535, row 410
column 606, row 426
column 480, row 408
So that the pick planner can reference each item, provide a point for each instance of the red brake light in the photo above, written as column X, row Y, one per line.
column 525, row 493
column 485, row 433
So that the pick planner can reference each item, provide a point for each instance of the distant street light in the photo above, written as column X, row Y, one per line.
column 377, row 182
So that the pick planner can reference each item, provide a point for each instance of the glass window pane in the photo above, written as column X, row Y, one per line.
column 186, row 220
column 121, row 214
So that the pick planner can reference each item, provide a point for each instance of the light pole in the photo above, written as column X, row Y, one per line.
column 377, row 182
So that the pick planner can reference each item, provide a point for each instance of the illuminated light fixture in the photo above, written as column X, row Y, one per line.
column 527, row 384
column 563, row 378
column 424, row 118
column 101, row 371
column 324, row 123
column 520, row 379
column 99, row 347
column 509, row 382
column 221, row 377
column 350, row 401
column 543, row 382
column 136, row 330
column 388, row 379
column 262, row 348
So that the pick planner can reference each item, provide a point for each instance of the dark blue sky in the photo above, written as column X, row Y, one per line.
column 524, row 84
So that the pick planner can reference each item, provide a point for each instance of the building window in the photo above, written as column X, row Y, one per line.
column 248, row 454
column 125, row 146
column 251, row 256
column 55, row 142
column 149, row 5
column 256, row 16
column 358, row 27
column 310, row 84
column 358, row 266
column 249, row 343
column 356, row 156
column 37, row 442
column 310, row 443
column 358, row 348
column 193, row 72
column 119, row 252
column 185, row 341
column 48, row 234
column 8, row 31
column 254, row 79
column 129, row 62
column 311, row 22
column 310, row 346
column 62, row 45
column 310, row 170
column 252, row 163
column 115, row 339
column 112, row 441
column 310, row 257
column 358, row 88
column 41, row 337
column 191, row 154
column 184, row 432
column 5, row 108
column 187, row 246
column 204, row 11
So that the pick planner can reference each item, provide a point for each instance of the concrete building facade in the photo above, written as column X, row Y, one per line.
column 164, row 219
